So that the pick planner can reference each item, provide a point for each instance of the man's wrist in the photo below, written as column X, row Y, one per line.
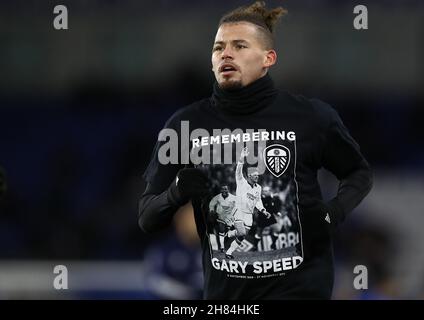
column 336, row 214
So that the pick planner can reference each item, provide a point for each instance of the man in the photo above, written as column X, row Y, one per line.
column 290, row 136
column 273, row 205
column 222, row 208
column 248, row 194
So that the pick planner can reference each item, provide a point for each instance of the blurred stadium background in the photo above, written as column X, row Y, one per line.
column 80, row 110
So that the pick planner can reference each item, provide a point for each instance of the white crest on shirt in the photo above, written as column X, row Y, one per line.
column 277, row 159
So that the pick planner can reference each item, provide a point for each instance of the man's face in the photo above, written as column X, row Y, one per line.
column 266, row 191
column 254, row 176
column 224, row 191
column 239, row 56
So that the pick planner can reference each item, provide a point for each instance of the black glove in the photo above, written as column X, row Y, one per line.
column 188, row 183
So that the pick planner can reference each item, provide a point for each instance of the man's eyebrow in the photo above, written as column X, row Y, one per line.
column 240, row 40
column 233, row 41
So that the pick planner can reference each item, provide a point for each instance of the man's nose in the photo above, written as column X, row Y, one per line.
column 227, row 53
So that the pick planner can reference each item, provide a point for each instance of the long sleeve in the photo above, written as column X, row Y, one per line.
column 259, row 204
column 342, row 157
column 155, row 212
column 239, row 171
column 351, row 191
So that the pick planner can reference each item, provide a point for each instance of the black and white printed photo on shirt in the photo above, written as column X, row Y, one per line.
column 253, row 214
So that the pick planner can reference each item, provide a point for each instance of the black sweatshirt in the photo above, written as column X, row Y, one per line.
column 289, row 138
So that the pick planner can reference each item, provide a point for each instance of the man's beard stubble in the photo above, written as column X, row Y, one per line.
column 230, row 85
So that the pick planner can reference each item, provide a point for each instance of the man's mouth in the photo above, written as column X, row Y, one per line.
column 227, row 69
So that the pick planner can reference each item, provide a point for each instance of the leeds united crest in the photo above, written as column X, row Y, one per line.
column 277, row 159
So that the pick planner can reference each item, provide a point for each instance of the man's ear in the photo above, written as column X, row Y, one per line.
column 270, row 58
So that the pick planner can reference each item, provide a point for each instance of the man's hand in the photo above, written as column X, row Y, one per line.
column 266, row 214
column 244, row 153
column 286, row 222
column 189, row 183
